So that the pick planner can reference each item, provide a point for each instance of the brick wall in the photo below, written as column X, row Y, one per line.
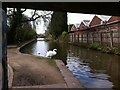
column 102, row 35
column 95, row 21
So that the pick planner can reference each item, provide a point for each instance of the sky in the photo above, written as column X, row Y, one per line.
column 73, row 18
column 76, row 18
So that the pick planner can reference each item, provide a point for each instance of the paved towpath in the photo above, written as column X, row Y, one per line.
column 28, row 71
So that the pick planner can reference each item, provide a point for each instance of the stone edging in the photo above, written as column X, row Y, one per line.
column 69, row 78
column 10, row 76
column 18, row 49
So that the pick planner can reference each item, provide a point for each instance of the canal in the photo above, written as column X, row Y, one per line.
column 92, row 68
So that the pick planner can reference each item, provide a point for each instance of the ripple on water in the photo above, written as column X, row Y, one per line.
column 82, row 72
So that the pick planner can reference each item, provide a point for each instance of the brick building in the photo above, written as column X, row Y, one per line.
column 96, row 21
column 84, row 24
column 73, row 28
column 114, row 26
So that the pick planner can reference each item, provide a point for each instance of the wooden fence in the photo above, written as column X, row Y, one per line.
column 103, row 35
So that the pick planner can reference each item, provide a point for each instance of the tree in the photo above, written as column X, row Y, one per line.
column 14, row 22
column 16, row 19
column 58, row 24
column 22, row 33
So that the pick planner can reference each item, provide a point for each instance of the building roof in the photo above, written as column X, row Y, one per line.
column 96, row 20
column 104, row 17
column 73, row 28
column 113, row 18
column 86, row 22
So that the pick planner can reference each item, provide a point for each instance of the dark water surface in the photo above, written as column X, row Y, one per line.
column 92, row 68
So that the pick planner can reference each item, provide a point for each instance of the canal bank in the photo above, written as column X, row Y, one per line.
column 33, row 71
column 98, row 47
column 92, row 68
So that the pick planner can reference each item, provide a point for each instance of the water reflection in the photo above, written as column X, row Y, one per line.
column 40, row 48
column 92, row 68
column 103, row 68
column 83, row 72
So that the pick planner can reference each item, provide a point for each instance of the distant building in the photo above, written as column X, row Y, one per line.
column 96, row 21
column 113, row 18
column 73, row 28
column 84, row 24
column 114, row 26
column 69, row 27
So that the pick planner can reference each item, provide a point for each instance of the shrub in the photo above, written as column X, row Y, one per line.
column 95, row 46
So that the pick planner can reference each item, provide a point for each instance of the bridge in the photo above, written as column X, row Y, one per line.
column 75, row 7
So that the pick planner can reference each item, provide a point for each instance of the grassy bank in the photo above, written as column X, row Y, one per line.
column 98, row 47
column 105, row 49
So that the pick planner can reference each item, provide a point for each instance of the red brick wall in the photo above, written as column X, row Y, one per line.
column 114, row 18
column 95, row 21
column 114, row 26
column 82, row 26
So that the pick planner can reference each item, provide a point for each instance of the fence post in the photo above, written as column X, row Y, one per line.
column 87, row 38
column 72, row 37
column 100, row 38
column 92, row 37
column 78, row 38
column 111, row 38
column 82, row 38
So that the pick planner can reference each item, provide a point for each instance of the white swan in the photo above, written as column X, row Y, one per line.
column 51, row 53
column 38, row 52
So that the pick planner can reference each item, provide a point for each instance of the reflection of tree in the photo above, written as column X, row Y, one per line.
column 100, row 63
column 29, row 48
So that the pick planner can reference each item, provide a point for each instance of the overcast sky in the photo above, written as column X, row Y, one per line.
column 73, row 18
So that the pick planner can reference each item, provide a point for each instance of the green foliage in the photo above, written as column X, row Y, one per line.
column 20, row 32
column 105, row 49
column 112, row 50
column 52, row 62
column 14, row 22
column 58, row 24
column 95, row 46
column 64, row 33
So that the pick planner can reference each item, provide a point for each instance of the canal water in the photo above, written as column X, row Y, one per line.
column 92, row 68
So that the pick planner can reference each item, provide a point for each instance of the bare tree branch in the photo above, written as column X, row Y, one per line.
column 32, row 19
column 10, row 15
column 44, row 16
column 23, row 10
column 34, row 14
